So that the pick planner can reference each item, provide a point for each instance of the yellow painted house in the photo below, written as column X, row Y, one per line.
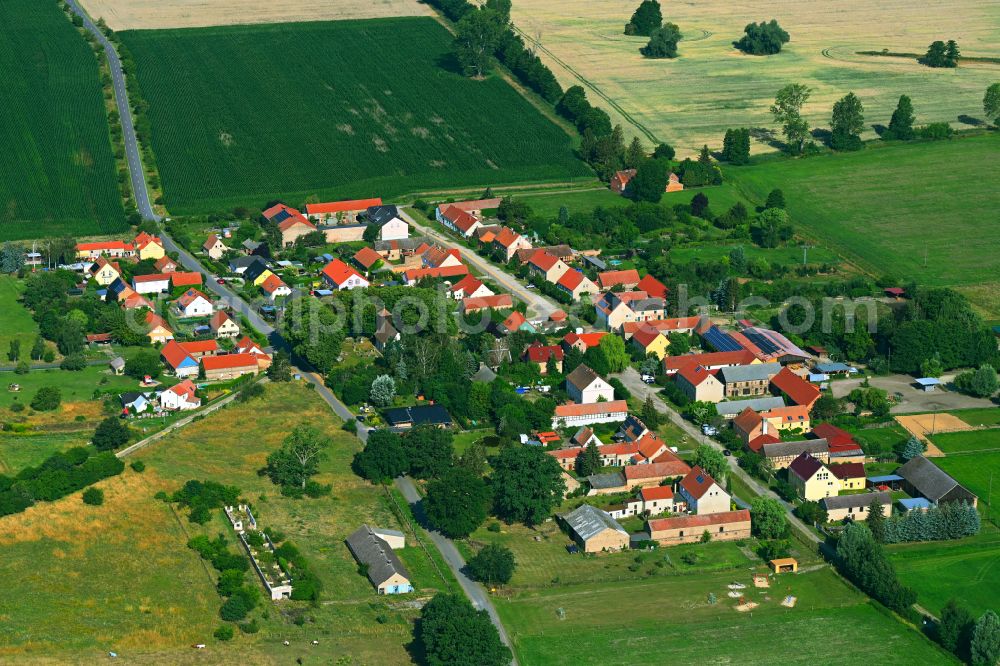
column 256, row 273
column 812, row 479
column 148, row 246
column 105, row 272
column 651, row 341
column 851, row 475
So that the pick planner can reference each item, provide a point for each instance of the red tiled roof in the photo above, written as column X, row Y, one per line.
column 564, row 454
column 747, row 420
column 697, row 482
column 514, row 321
column 104, row 245
column 152, row 277
column 219, row 318
column 619, row 449
column 837, row 438
column 229, row 361
column 467, row 285
column 653, row 287
column 571, row 279
column 154, row 320
column 367, row 257
column 462, row 220
column 646, row 336
column 272, row 284
column 189, row 297
column 791, row 414
column 712, row 359
column 592, row 408
column 184, row 389
column 98, row 337
column 199, row 346
column 703, row 520
column 415, row 274
column 797, row 389
column 185, row 279
column 543, row 260
column 477, row 204
column 650, row 445
column 342, row 206
column 695, row 374
column 656, row 493
column 557, row 315
column 664, row 326
column 339, row 272
column 757, row 443
column 539, row 353
column 506, row 237
column 210, row 242
column 164, row 262
column 588, row 339
column 609, row 279
column 854, row 470
column 494, row 302
column 246, row 346
column 173, row 354
column 656, row 470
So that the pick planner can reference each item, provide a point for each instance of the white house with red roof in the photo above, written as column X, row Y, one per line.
column 458, row 220
column 575, row 415
column 340, row 276
column 546, row 266
column 179, row 397
column 699, row 383
column 576, row 284
column 702, row 493
column 508, row 241
column 223, row 326
column 274, row 288
column 441, row 257
column 154, row 283
column 469, row 287
column 193, row 303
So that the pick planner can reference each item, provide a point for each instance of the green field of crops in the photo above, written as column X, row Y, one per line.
column 922, row 211
column 57, row 175
column 242, row 115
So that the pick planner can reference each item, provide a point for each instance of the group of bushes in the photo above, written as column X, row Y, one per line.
column 201, row 497
column 59, row 475
column 241, row 598
column 953, row 520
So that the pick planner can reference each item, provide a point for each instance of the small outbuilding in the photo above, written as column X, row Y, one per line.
column 785, row 565
column 595, row 530
column 380, row 564
column 928, row 384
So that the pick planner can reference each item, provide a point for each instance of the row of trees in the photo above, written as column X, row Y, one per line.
column 863, row 561
column 974, row 641
column 953, row 520
column 57, row 476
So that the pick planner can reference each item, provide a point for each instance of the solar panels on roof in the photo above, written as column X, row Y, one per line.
column 720, row 340
column 762, row 342
column 281, row 216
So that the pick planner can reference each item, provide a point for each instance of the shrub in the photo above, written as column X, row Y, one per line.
column 93, row 496
column 138, row 466
column 224, row 632
column 47, row 399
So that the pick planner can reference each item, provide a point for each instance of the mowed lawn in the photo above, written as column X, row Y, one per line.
column 16, row 322
column 74, row 386
column 58, row 173
column 969, row 441
column 670, row 620
column 123, row 578
column 980, row 473
column 691, row 100
column 920, row 211
column 243, row 115
column 967, row 570
column 979, row 417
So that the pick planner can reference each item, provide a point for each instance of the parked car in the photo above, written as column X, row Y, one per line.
column 221, row 280
column 727, row 452
column 649, row 379
column 530, row 285
column 709, row 430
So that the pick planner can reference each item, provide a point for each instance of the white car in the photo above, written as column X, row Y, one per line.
column 649, row 379
column 709, row 430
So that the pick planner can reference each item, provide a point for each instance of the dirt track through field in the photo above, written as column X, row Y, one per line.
column 150, row 14
column 922, row 425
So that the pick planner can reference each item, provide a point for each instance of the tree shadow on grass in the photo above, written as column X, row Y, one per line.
column 879, row 128
column 969, row 120
column 822, row 135
column 768, row 137
column 449, row 63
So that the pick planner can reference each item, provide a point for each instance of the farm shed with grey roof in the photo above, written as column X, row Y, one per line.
column 595, row 530
column 924, row 478
column 384, row 569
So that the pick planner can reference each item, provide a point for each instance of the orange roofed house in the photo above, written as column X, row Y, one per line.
column 230, row 366
column 291, row 223
column 346, row 212
column 727, row 526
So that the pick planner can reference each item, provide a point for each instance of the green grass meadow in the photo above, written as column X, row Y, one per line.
column 58, row 173
column 670, row 620
column 16, row 322
column 970, row 441
column 980, row 473
column 986, row 416
column 921, row 211
column 242, row 115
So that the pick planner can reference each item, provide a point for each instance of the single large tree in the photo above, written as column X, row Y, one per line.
column 847, row 123
column 787, row 111
column 768, row 518
column 493, row 565
column 991, row 104
column 457, row 503
column 383, row 390
column 477, row 36
column 985, row 647
column 452, row 633
column 736, row 146
column 527, row 484
column 429, row 450
column 614, row 349
column 712, row 461
column 588, row 462
column 646, row 18
column 662, row 42
column 876, row 520
column 762, row 38
column 901, row 123
column 383, row 457
column 111, row 433
column 955, row 629
column 298, row 458
column 11, row 258
column 649, row 182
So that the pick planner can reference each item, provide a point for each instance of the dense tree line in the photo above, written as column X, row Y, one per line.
column 953, row 520
column 941, row 54
column 451, row 632
column 57, row 476
column 864, row 562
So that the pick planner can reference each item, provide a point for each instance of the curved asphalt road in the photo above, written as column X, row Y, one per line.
column 448, row 551
column 135, row 171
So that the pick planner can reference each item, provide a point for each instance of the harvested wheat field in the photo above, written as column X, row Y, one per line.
column 691, row 100
column 148, row 14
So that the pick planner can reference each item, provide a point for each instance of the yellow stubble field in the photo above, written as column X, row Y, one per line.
column 691, row 100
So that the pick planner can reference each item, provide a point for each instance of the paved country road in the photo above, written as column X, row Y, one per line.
column 136, row 174
column 633, row 382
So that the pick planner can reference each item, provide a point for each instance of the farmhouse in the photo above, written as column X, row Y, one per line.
column 726, row 526
column 782, row 454
column 469, row 287
column 711, row 361
column 193, row 303
column 576, row 284
column 375, row 554
column 493, row 302
column 105, row 272
column 178, row 361
column 923, row 478
column 742, row 381
column 290, row 221
column 653, row 287
column 794, row 388
column 390, row 225
column 855, row 507
column 477, row 206
column 585, row 386
column 113, row 249
column 148, row 246
column 199, row 348
column 702, row 493
column 458, row 220
column 627, row 279
column 151, row 284
column 439, row 256
column 230, row 366
column 812, row 479
column 223, row 326
column 340, row 211
column 668, row 466
column 543, row 265
column 340, row 276
column 508, row 241
column 698, row 383
column 214, row 247
column 571, row 414
column 595, row 530
column 180, row 397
